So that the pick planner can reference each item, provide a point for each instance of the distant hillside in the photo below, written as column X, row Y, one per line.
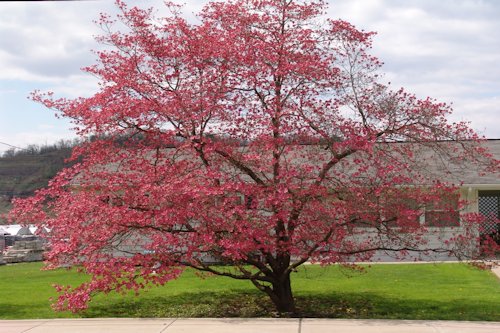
column 24, row 171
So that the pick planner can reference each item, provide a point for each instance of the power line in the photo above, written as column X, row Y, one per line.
column 15, row 147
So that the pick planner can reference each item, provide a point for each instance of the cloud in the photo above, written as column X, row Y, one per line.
column 447, row 49
column 483, row 113
column 44, row 136
column 7, row 91
column 46, row 41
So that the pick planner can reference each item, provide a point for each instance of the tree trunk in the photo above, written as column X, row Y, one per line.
column 281, row 295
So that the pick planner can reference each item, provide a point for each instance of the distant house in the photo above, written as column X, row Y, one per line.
column 2, row 244
column 481, row 192
column 19, row 244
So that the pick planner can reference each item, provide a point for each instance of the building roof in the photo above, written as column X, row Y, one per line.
column 456, row 169
column 24, row 231
column 437, row 161
column 13, row 229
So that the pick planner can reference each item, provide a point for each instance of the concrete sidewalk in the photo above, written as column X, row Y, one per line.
column 496, row 270
column 239, row 325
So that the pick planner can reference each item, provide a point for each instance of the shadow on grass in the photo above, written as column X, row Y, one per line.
column 199, row 304
column 27, row 311
column 376, row 306
column 8, row 311
column 327, row 305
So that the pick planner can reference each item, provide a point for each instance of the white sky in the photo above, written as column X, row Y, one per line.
column 446, row 49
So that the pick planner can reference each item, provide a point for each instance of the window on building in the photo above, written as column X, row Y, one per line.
column 443, row 212
column 489, row 207
column 393, row 208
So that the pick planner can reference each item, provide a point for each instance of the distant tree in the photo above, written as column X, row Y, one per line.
column 267, row 141
column 9, row 152
column 34, row 149
column 24, row 170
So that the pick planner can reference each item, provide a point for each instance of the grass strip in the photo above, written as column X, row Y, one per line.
column 403, row 291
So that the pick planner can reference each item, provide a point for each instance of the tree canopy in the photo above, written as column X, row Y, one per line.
column 267, row 140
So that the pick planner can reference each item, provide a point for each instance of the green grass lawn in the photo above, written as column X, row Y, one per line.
column 424, row 291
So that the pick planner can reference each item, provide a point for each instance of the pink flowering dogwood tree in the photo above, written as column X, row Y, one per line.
column 245, row 145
